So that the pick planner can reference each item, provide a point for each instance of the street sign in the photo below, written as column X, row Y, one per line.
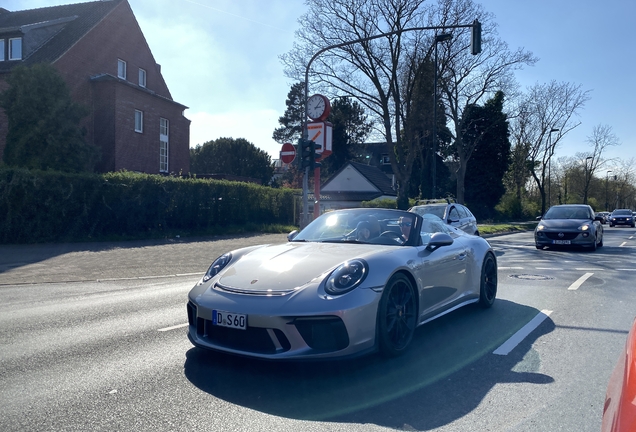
column 321, row 133
column 287, row 153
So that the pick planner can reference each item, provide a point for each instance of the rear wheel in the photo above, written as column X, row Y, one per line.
column 488, row 287
column 397, row 316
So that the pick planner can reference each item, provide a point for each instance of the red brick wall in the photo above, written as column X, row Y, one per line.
column 112, row 103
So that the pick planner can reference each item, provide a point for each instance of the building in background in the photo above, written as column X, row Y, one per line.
column 102, row 54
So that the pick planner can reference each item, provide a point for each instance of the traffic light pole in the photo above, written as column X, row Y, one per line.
column 475, row 49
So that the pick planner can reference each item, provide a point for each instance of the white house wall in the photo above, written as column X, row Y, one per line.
column 349, row 180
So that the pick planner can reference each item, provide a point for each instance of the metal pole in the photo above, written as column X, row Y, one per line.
column 606, row 187
column 434, row 142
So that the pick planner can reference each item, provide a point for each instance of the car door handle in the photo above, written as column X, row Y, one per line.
column 462, row 256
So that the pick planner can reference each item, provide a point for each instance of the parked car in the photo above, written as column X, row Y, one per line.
column 569, row 225
column 619, row 410
column 333, row 291
column 622, row 217
column 453, row 214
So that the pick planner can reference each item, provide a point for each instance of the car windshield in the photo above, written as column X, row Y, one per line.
column 437, row 210
column 567, row 212
column 622, row 213
column 373, row 226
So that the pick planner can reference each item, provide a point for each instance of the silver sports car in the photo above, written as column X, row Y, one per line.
column 351, row 282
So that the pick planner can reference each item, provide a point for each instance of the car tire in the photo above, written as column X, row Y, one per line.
column 611, row 226
column 594, row 245
column 600, row 244
column 488, row 282
column 397, row 316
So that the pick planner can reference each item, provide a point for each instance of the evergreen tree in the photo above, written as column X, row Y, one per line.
column 350, row 130
column 237, row 157
column 491, row 157
column 43, row 123
column 291, row 121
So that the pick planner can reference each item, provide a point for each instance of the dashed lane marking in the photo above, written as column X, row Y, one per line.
column 173, row 327
column 580, row 281
column 522, row 333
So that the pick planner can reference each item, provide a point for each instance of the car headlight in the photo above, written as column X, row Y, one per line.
column 346, row 277
column 584, row 227
column 217, row 266
column 540, row 227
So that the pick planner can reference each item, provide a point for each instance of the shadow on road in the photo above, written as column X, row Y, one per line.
column 444, row 375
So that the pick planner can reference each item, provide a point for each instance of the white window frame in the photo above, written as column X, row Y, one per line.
column 11, row 49
column 139, row 121
column 142, row 77
column 121, row 69
column 164, row 145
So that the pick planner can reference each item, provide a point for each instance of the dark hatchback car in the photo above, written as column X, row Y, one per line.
column 622, row 217
column 453, row 214
column 569, row 225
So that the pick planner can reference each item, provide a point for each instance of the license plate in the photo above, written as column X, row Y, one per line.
column 561, row 242
column 229, row 319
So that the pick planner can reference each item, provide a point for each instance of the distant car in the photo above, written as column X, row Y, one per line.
column 454, row 214
column 605, row 216
column 352, row 281
column 569, row 225
column 622, row 217
column 619, row 411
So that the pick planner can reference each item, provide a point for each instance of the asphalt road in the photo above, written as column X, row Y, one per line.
column 92, row 337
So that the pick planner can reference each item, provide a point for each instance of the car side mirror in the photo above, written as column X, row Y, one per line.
column 538, row 218
column 292, row 235
column 438, row 240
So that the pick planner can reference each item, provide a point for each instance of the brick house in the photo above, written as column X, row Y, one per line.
column 102, row 54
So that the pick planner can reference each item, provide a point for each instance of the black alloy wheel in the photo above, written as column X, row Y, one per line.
column 488, row 288
column 397, row 316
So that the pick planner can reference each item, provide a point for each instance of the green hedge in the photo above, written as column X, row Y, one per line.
column 46, row 206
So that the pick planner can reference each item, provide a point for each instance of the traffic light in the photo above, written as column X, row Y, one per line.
column 307, row 154
column 475, row 38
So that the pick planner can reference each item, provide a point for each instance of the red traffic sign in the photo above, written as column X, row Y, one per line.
column 287, row 153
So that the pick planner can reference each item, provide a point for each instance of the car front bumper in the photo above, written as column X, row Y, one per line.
column 564, row 238
column 284, row 328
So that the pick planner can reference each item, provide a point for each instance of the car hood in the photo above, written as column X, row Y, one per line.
column 563, row 223
column 289, row 266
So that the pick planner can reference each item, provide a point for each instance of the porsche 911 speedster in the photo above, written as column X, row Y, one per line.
column 351, row 282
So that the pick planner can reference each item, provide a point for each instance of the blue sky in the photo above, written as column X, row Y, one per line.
column 220, row 58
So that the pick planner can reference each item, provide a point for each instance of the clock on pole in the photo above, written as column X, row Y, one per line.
column 318, row 107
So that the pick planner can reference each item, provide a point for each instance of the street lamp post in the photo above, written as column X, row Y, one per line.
column 438, row 38
column 606, row 183
column 585, row 185
column 550, row 165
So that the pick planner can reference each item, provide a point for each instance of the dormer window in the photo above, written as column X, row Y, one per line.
column 142, row 78
column 121, row 69
column 15, row 49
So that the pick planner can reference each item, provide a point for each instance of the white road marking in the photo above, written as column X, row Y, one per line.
column 522, row 333
column 173, row 327
column 580, row 281
column 510, row 268
column 622, row 244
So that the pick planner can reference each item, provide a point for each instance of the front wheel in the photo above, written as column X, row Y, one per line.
column 488, row 286
column 397, row 316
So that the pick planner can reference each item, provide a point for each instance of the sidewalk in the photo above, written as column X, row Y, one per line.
column 76, row 262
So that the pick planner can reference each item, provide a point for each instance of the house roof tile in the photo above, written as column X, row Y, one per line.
column 69, row 23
